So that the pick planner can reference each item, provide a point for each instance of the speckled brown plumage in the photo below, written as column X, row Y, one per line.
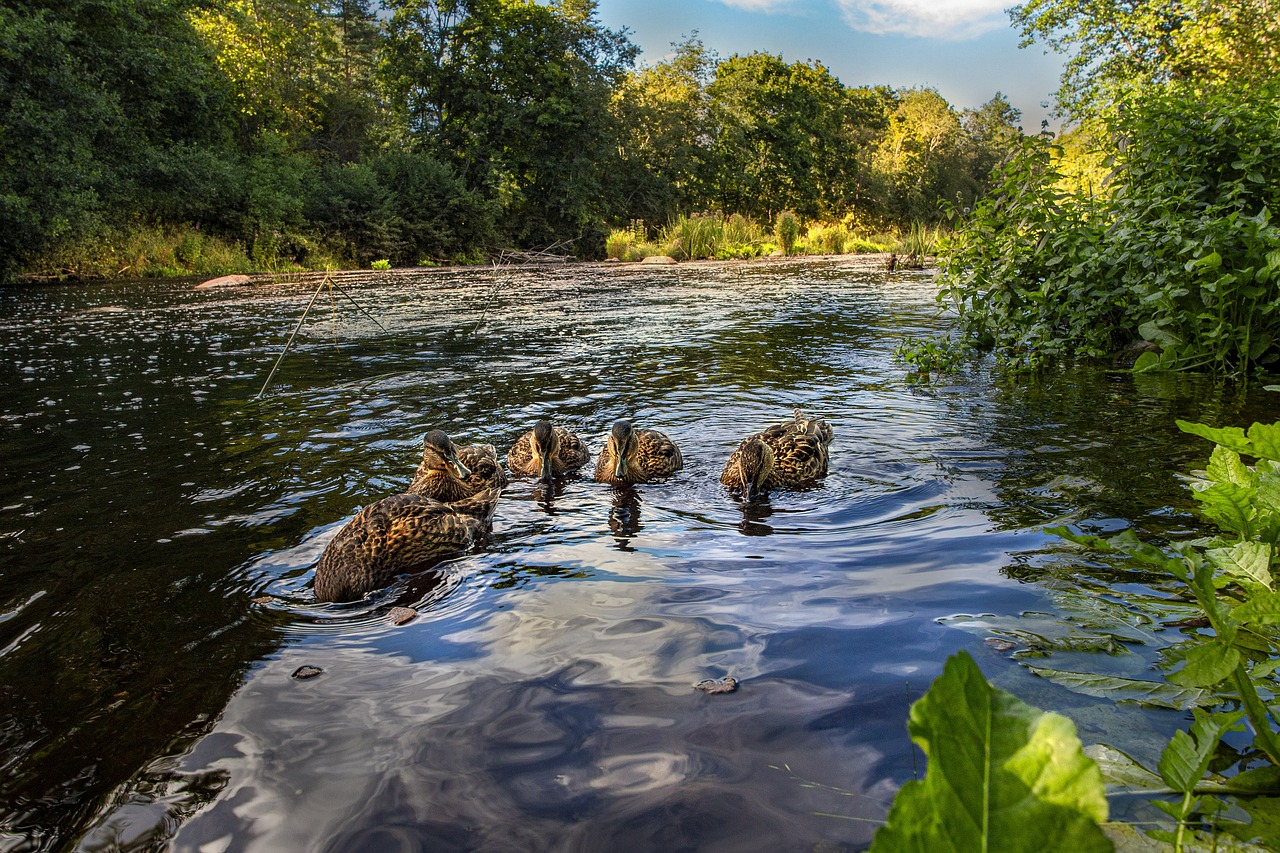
column 784, row 455
column 546, row 451
column 636, row 456
column 399, row 534
column 448, row 473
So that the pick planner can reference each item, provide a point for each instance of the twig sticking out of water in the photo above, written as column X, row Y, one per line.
column 289, row 342
column 328, row 279
column 333, row 283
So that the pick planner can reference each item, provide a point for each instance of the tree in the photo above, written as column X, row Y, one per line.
column 663, row 126
column 991, row 133
column 281, row 57
column 785, row 137
column 102, row 103
column 919, row 155
column 1120, row 44
column 514, row 96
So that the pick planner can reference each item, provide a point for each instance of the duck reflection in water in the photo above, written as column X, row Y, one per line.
column 753, row 515
column 545, row 492
column 624, row 516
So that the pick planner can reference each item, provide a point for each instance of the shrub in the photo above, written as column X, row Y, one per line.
column 787, row 231
column 1182, row 252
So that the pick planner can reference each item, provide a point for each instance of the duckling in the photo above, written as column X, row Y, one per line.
column 399, row 534
column 448, row 473
column 546, row 451
column 636, row 456
column 784, row 455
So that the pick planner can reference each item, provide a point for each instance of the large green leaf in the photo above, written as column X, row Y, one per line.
column 1232, row 437
column 1155, row 693
column 1265, row 439
column 1186, row 758
column 1001, row 776
column 1262, row 608
column 1206, row 664
column 1245, row 561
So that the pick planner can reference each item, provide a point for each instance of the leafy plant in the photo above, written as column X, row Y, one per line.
column 1001, row 776
column 787, row 231
column 1181, row 250
column 382, row 264
column 942, row 355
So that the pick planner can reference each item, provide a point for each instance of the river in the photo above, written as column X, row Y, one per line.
column 160, row 523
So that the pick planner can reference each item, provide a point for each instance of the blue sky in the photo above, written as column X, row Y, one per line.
column 966, row 49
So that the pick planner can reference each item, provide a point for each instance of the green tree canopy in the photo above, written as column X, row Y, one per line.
column 1117, row 44
column 515, row 96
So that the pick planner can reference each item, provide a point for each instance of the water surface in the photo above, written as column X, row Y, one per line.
column 543, row 697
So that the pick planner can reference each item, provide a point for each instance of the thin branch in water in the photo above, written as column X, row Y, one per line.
column 289, row 343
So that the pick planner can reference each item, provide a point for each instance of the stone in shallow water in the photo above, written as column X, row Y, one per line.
column 304, row 672
column 401, row 615
column 728, row 684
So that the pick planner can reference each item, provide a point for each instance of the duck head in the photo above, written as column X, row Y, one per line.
column 755, row 464
column 621, row 447
column 544, row 445
column 438, row 453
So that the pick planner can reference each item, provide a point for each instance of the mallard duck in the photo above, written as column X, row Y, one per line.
column 546, row 451
column 636, row 456
column 783, row 455
column 448, row 473
column 399, row 534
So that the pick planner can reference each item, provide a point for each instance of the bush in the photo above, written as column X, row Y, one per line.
column 787, row 231
column 1182, row 252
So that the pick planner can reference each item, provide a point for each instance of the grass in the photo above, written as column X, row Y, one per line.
column 165, row 251
column 714, row 236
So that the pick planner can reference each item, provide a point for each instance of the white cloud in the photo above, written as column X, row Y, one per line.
column 949, row 19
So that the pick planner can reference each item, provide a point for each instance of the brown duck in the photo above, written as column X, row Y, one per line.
column 636, row 456
column 781, row 456
column 396, row 535
column 546, row 451
column 448, row 473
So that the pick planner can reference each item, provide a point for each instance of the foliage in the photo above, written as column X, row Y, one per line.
column 93, row 94
column 1231, row 578
column 787, row 230
column 380, row 264
column 824, row 240
column 937, row 356
column 662, row 118
column 1181, row 252
column 322, row 131
column 1124, row 45
column 514, row 97
column 920, row 156
column 1001, row 775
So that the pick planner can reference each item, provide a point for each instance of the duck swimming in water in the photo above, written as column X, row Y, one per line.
column 636, row 456
column 546, row 452
column 399, row 534
column 448, row 473
column 781, row 456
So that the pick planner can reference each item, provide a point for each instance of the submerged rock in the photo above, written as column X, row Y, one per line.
column 728, row 684
column 224, row 281
column 401, row 615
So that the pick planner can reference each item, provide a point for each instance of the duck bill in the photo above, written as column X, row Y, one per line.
column 544, row 469
column 461, row 470
column 620, row 470
column 750, row 493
